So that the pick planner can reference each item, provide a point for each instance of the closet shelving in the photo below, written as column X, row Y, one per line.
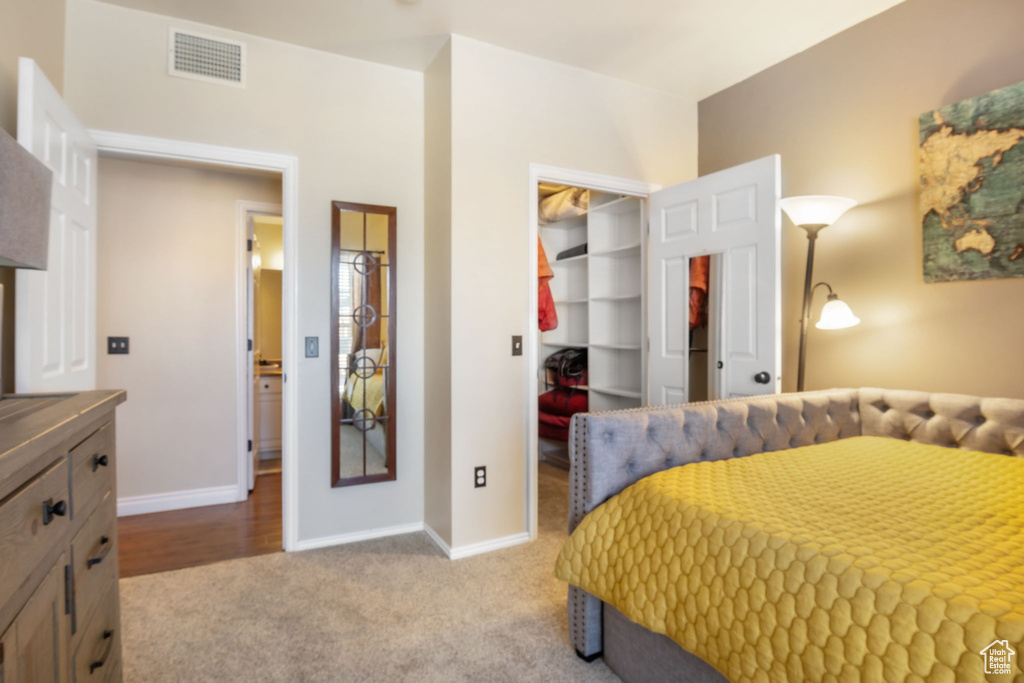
column 599, row 300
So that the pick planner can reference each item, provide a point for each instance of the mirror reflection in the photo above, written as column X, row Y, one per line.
column 363, row 270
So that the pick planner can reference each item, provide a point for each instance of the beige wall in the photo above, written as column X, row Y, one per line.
column 438, row 300
column 357, row 131
column 843, row 115
column 270, row 313
column 509, row 110
column 166, row 279
column 28, row 28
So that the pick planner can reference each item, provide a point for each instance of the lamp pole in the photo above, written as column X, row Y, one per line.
column 805, row 320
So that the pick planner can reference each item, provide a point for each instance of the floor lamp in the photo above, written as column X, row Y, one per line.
column 814, row 213
column 25, row 188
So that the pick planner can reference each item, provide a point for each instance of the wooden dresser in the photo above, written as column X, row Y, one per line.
column 59, row 617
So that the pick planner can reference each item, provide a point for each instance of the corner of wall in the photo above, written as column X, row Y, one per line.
column 437, row 347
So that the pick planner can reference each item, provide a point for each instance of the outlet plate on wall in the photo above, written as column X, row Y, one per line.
column 479, row 477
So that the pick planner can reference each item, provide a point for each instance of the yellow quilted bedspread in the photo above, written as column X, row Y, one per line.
column 863, row 559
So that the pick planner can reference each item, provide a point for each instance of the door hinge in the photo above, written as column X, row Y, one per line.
column 249, row 345
column 248, row 245
column 250, row 445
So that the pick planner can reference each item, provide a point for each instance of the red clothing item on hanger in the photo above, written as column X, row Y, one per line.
column 700, row 268
column 547, row 317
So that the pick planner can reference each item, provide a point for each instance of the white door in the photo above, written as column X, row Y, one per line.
column 55, row 313
column 255, row 352
column 734, row 216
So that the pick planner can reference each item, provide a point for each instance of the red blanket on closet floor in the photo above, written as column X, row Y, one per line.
column 556, row 410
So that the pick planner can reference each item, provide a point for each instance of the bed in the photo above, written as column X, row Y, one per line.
column 856, row 545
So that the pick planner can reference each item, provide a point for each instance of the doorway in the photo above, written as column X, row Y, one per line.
column 142, row 147
column 617, row 256
column 264, row 256
column 630, row 241
column 178, row 306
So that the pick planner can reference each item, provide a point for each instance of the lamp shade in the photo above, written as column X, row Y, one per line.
column 25, row 187
column 818, row 209
column 835, row 315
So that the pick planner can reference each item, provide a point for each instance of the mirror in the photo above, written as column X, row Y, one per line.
column 363, row 374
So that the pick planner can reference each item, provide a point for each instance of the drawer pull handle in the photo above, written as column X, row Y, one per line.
column 100, row 553
column 109, row 637
column 51, row 510
column 99, row 461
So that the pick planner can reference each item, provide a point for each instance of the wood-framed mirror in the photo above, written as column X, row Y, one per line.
column 363, row 373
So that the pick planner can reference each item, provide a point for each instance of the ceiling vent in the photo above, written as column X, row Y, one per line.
column 205, row 58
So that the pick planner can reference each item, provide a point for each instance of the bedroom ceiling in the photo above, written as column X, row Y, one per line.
column 692, row 48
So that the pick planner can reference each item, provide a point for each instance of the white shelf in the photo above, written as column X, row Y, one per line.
column 571, row 259
column 616, row 206
column 619, row 252
column 567, row 223
column 616, row 391
column 564, row 345
column 600, row 299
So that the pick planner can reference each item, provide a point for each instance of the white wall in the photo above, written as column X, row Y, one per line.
column 357, row 130
column 508, row 110
column 166, row 279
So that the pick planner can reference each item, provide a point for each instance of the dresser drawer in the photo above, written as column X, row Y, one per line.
column 32, row 522
column 98, row 655
column 92, row 467
column 94, row 558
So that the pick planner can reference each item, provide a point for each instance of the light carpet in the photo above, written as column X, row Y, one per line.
column 393, row 609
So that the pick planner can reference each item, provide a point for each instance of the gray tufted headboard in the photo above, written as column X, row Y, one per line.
column 610, row 451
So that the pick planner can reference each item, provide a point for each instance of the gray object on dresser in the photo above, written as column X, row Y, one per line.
column 610, row 451
column 59, row 617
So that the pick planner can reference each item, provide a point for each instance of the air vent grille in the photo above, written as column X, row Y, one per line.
column 206, row 58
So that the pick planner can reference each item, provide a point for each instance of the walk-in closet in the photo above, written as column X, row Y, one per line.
column 591, row 308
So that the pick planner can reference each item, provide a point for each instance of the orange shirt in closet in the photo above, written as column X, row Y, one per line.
column 547, row 318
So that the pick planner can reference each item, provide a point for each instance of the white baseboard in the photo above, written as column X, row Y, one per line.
column 356, row 536
column 438, row 541
column 177, row 500
column 459, row 552
column 452, row 553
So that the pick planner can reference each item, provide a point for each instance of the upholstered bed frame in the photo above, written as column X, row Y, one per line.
column 610, row 451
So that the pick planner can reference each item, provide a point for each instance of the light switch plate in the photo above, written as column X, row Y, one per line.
column 312, row 347
column 517, row 345
column 117, row 345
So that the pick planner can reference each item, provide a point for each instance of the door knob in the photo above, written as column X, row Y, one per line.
column 762, row 378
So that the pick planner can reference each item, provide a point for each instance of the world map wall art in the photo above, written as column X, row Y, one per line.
column 972, row 188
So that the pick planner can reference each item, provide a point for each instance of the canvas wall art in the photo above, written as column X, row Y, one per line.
column 972, row 187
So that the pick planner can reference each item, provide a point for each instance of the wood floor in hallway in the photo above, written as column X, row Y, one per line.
column 163, row 541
